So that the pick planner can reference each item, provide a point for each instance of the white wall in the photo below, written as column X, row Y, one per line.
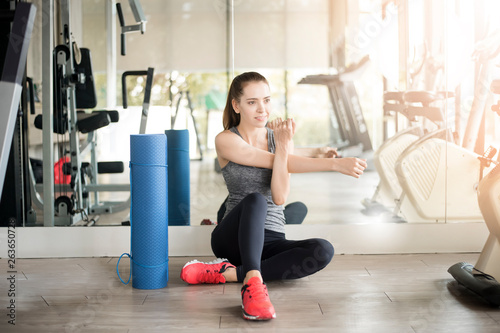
column 40, row 242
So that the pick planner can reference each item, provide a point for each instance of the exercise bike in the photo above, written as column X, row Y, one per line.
column 432, row 192
column 416, row 106
column 482, row 278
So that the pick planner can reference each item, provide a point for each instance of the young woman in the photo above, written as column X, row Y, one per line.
column 256, row 164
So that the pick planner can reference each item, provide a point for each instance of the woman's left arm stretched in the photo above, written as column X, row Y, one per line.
column 351, row 166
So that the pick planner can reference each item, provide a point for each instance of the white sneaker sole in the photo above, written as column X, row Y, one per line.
column 250, row 317
column 216, row 261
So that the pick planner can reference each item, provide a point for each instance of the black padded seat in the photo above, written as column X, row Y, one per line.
column 114, row 116
column 102, row 167
column 59, row 124
column 86, row 122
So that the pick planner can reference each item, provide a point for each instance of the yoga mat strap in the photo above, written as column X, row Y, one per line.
column 135, row 262
column 118, row 272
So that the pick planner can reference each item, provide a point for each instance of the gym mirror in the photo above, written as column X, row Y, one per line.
column 395, row 82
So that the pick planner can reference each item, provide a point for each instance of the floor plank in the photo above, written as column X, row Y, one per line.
column 355, row 293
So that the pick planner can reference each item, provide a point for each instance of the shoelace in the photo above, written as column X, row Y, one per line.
column 256, row 291
column 212, row 276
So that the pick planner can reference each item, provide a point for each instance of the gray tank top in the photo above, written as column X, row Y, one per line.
column 243, row 180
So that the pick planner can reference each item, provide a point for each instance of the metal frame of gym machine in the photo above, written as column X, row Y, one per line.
column 64, row 60
column 12, row 79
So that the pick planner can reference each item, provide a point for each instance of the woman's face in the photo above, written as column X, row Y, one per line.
column 254, row 106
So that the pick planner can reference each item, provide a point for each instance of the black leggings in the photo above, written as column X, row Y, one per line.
column 242, row 239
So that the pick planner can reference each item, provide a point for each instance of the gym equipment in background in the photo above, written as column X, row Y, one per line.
column 149, row 211
column 179, row 207
column 486, row 58
column 438, row 177
column 417, row 107
column 433, row 192
column 147, row 94
column 349, row 132
column 482, row 278
column 74, row 198
column 173, row 117
column 74, row 92
column 11, row 87
column 139, row 17
column 429, row 191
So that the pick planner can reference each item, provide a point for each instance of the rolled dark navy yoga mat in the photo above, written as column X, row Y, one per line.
column 149, row 211
column 179, row 204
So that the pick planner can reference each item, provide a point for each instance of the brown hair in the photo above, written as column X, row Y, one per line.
column 230, row 118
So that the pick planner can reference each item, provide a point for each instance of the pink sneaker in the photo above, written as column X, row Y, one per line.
column 256, row 303
column 196, row 272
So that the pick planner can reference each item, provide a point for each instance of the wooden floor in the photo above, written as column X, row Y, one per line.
column 355, row 293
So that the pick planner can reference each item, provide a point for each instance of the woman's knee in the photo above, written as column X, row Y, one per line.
column 323, row 252
column 256, row 199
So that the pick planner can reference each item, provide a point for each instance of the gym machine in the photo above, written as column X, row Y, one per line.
column 12, row 154
column 139, row 17
column 88, row 123
column 349, row 132
column 419, row 187
column 439, row 177
column 179, row 96
column 147, row 94
column 482, row 278
column 417, row 107
column 74, row 92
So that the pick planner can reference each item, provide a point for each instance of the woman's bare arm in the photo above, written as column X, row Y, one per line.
column 230, row 147
column 351, row 166
column 280, row 181
column 323, row 152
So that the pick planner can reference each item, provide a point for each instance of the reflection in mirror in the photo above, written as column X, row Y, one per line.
column 395, row 83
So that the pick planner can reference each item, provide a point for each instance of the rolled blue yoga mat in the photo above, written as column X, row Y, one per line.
column 149, row 211
column 179, row 204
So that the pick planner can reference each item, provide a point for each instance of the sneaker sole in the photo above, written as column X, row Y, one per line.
column 250, row 317
column 217, row 261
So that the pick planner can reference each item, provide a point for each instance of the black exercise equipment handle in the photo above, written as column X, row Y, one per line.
column 122, row 24
column 120, row 14
column 149, row 85
column 124, row 85
column 31, row 90
column 123, row 45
